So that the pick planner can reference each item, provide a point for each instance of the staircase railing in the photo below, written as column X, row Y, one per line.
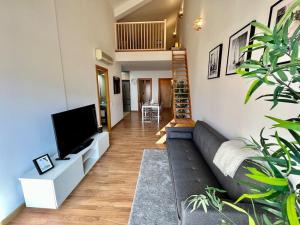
column 141, row 36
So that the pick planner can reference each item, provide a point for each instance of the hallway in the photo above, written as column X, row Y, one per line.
column 105, row 195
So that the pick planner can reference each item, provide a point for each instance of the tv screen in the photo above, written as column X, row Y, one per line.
column 73, row 128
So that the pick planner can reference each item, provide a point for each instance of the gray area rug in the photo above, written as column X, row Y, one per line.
column 154, row 200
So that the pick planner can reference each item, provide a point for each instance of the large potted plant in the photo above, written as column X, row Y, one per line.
column 280, row 154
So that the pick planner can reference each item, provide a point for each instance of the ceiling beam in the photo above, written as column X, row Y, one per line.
column 128, row 7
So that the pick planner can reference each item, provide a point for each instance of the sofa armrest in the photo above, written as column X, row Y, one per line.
column 213, row 216
column 180, row 132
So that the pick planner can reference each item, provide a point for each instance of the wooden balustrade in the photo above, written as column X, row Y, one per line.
column 141, row 36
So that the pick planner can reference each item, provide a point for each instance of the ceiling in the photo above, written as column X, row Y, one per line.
column 154, row 10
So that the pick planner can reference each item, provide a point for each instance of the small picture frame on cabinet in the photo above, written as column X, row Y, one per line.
column 43, row 164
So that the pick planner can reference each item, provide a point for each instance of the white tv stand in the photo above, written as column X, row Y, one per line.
column 52, row 188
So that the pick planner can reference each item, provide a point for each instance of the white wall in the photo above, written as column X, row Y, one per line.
column 31, row 78
column 155, row 75
column 31, row 89
column 83, row 27
column 220, row 101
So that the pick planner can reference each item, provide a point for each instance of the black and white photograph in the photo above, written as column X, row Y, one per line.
column 278, row 10
column 43, row 164
column 238, row 40
column 214, row 63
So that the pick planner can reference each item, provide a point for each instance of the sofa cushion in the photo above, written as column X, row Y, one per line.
column 208, row 141
column 180, row 135
column 190, row 173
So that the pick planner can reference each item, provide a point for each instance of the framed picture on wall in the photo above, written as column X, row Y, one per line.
column 214, row 63
column 278, row 10
column 276, row 13
column 117, row 85
column 238, row 40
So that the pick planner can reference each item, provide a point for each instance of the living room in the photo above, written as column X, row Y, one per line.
column 51, row 55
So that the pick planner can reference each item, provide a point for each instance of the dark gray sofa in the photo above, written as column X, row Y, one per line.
column 191, row 152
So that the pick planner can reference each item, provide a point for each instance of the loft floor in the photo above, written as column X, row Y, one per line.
column 105, row 195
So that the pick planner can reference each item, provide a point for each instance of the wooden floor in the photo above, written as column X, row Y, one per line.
column 105, row 195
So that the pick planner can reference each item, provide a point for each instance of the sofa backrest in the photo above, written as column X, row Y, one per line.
column 208, row 141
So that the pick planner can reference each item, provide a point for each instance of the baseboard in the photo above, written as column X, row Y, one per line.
column 11, row 216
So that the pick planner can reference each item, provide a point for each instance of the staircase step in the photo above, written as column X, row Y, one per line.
column 162, row 140
column 183, row 108
column 178, row 62
column 185, row 122
column 180, row 79
column 186, row 113
column 180, row 75
column 179, row 53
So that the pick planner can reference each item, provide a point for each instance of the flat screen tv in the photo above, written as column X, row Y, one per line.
column 74, row 129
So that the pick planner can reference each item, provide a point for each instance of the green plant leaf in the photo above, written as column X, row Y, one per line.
column 256, row 196
column 295, row 171
column 280, row 162
column 263, row 38
column 290, row 125
column 295, row 51
column 293, row 149
column 266, row 56
column 251, row 185
column 283, row 100
column 282, row 75
column 295, row 135
column 289, row 166
column 246, row 48
column 295, row 37
column 270, row 203
column 291, row 209
column 250, row 66
column 276, row 94
column 288, row 13
column 255, row 171
column 250, row 219
column 267, row 220
column 262, row 27
column 254, row 86
column 252, row 74
column 274, row 181
column 285, row 32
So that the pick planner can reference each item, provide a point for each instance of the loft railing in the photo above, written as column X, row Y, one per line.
column 141, row 36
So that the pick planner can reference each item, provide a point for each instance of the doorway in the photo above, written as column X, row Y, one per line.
column 165, row 93
column 103, row 97
column 144, row 91
column 126, row 96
